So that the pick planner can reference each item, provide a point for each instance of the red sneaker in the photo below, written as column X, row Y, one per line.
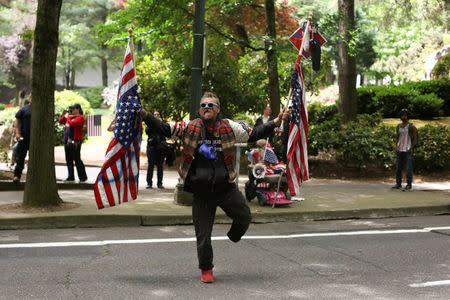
column 207, row 276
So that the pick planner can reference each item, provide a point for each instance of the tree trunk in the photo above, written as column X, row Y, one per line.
column 104, row 66
column 40, row 187
column 270, row 49
column 346, row 62
column 72, row 78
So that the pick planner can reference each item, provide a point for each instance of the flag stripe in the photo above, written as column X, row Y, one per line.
column 297, row 153
column 118, row 177
column 94, row 125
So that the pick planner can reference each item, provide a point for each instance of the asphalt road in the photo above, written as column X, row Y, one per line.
column 403, row 258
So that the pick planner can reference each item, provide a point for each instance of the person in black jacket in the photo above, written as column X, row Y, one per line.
column 22, row 135
column 284, row 140
column 155, row 155
column 207, row 168
column 264, row 118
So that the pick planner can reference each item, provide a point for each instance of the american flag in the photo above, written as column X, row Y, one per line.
column 94, row 125
column 269, row 154
column 297, row 150
column 118, row 179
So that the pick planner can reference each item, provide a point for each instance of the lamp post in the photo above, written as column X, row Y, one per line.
column 197, row 57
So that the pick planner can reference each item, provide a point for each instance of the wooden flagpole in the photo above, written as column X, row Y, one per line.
column 300, row 52
column 130, row 33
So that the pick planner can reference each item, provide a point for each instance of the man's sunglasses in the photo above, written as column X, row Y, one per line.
column 208, row 104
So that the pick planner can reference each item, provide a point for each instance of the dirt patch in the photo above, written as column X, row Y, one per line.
column 18, row 208
column 5, row 175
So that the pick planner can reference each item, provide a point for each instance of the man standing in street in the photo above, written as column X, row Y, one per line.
column 406, row 140
column 208, row 169
column 22, row 128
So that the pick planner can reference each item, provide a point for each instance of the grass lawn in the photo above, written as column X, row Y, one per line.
column 101, row 111
column 419, row 123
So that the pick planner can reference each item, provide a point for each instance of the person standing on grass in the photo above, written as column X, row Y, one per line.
column 405, row 141
column 73, row 138
column 207, row 168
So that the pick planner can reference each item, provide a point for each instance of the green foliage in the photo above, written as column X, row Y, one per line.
column 318, row 113
column 426, row 106
column 8, row 115
column 393, row 99
column 360, row 44
column 2, row 106
column 356, row 143
column 63, row 100
column 324, row 136
column 368, row 141
column 425, row 99
column 366, row 99
column 433, row 149
column 442, row 68
column 93, row 95
column 440, row 87
column 162, row 88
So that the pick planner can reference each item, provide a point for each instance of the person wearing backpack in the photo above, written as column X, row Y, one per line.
column 405, row 141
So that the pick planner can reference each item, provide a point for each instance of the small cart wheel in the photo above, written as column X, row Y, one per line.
column 262, row 199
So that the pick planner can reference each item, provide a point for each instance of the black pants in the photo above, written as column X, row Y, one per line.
column 73, row 154
column 204, row 207
column 20, row 153
column 154, row 158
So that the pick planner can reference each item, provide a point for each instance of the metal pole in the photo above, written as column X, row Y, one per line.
column 197, row 57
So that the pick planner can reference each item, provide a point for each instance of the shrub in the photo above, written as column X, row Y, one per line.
column 313, row 109
column 2, row 106
column 393, row 99
column 93, row 95
column 389, row 100
column 440, row 87
column 426, row 106
column 8, row 115
column 323, row 136
column 356, row 143
column 442, row 68
column 63, row 100
column 366, row 99
column 433, row 149
column 318, row 113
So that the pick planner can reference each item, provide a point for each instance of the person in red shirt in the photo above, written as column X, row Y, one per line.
column 73, row 138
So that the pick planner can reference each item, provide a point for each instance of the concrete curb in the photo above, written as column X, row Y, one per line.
column 71, row 221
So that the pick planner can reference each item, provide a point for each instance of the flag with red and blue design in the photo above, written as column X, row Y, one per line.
column 297, row 169
column 269, row 154
column 297, row 37
column 118, row 179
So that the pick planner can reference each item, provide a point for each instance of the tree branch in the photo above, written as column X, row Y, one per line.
column 213, row 27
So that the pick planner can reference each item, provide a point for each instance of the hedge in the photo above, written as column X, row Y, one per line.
column 367, row 140
column 93, row 95
column 424, row 99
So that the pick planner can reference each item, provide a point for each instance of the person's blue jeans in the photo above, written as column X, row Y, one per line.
column 402, row 159
column 154, row 158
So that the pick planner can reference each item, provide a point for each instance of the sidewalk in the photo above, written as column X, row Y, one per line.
column 324, row 200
